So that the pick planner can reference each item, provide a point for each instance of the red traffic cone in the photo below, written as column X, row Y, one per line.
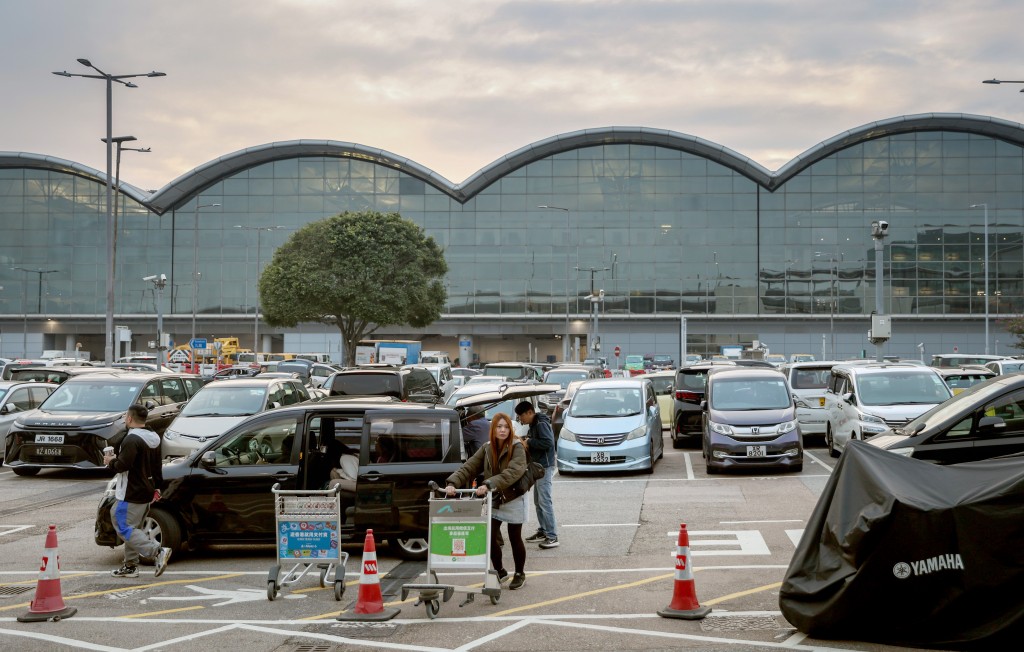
column 370, row 605
column 684, row 603
column 48, row 603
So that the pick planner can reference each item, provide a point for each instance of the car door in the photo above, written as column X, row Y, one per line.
column 401, row 451
column 171, row 396
column 974, row 439
column 15, row 403
column 653, row 418
column 231, row 480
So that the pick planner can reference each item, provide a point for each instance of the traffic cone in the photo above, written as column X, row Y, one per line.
column 684, row 603
column 370, row 605
column 48, row 603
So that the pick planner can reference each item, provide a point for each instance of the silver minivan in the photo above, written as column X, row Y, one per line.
column 612, row 424
column 808, row 382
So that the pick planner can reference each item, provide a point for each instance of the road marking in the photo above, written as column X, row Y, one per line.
column 716, row 478
column 14, row 528
column 584, row 594
column 795, row 536
column 229, row 596
column 689, row 467
column 165, row 611
column 603, row 525
column 783, row 520
column 750, row 542
column 795, row 639
column 815, row 459
column 740, row 594
column 493, row 636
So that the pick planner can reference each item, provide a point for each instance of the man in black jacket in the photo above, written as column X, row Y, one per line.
column 137, row 483
column 541, row 443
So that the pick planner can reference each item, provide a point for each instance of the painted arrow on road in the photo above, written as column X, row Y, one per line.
column 229, row 596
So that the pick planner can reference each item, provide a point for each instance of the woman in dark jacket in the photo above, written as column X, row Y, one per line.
column 502, row 463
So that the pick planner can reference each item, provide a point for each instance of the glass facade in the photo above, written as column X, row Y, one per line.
column 662, row 230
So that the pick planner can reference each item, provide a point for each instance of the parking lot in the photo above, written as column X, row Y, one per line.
column 600, row 590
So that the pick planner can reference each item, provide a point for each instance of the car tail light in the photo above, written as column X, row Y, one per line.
column 692, row 397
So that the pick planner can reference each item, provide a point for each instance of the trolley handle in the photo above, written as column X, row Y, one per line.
column 459, row 493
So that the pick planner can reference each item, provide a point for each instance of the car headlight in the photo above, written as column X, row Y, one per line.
column 637, row 433
column 906, row 451
column 99, row 426
column 566, row 434
column 870, row 418
column 788, row 426
column 170, row 435
column 720, row 428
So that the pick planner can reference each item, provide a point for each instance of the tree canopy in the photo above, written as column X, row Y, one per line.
column 358, row 271
column 1015, row 327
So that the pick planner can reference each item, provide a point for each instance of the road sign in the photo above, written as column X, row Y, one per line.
column 617, row 351
column 197, row 343
column 180, row 356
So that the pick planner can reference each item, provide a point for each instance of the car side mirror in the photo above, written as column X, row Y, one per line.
column 988, row 424
column 704, row 406
column 7, row 409
column 274, row 405
column 150, row 404
column 208, row 460
column 849, row 398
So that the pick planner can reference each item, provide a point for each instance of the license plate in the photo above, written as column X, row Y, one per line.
column 49, row 439
column 48, row 451
column 821, row 401
column 600, row 458
column 757, row 451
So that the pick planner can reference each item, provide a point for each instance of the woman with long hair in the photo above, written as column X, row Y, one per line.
column 502, row 462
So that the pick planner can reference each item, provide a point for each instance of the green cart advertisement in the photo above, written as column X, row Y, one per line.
column 458, row 544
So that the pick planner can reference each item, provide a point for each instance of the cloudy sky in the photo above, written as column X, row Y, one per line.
column 456, row 84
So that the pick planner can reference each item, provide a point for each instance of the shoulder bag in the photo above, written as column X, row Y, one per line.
column 534, row 471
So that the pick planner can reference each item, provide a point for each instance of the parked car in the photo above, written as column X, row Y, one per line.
column 808, row 381
column 55, row 375
column 663, row 362
column 867, row 399
column 411, row 383
column 691, row 358
column 562, row 375
column 17, row 398
column 664, row 383
column 442, row 374
column 492, row 399
column 1002, row 367
column 596, row 361
column 219, row 406
column 237, row 371
column 461, row 374
column 775, row 359
column 749, row 421
column 513, row 371
column 984, row 421
column 86, row 413
column 690, row 382
column 558, row 413
column 484, row 380
column 612, row 424
column 801, row 357
column 634, row 365
column 314, row 392
column 965, row 376
column 957, row 359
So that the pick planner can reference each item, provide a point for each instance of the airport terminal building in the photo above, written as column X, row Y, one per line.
column 675, row 230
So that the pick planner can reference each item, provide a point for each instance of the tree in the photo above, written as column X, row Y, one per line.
column 1015, row 327
column 357, row 271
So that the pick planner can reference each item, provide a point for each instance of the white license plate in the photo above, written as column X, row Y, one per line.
column 48, row 451
column 757, row 451
column 49, row 439
column 600, row 458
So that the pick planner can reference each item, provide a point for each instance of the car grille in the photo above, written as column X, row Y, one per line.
column 896, row 423
column 746, row 433
column 761, row 439
column 601, row 440
column 612, row 459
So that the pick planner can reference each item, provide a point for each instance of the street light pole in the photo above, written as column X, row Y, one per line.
column 195, row 263
column 594, row 339
column 159, row 281
column 985, row 266
column 256, row 320
column 833, row 270
column 565, row 343
column 24, row 301
column 1003, row 81
column 108, row 347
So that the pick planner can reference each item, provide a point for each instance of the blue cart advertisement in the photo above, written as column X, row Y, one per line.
column 307, row 539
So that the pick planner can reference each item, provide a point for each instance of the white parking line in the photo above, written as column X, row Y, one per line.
column 689, row 466
column 816, row 460
column 11, row 529
column 782, row 520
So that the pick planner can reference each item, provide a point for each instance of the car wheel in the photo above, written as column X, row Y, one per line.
column 798, row 468
column 411, row 549
column 25, row 470
column 163, row 528
column 830, row 441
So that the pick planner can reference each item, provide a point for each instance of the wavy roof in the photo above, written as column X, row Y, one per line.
column 185, row 187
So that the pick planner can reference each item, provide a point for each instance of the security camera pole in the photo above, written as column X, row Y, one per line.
column 881, row 326
column 159, row 281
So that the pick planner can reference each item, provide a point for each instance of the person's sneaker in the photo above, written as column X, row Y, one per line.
column 502, row 576
column 550, row 542
column 128, row 570
column 536, row 537
column 517, row 581
column 162, row 558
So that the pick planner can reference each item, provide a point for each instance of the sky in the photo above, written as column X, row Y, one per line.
column 456, row 84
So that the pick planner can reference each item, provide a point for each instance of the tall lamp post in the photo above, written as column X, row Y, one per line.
column 565, row 343
column 108, row 347
column 256, row 320
column 595, row 299
column 195, row 264
column 24, row 301
column 985, row 265
column 1003, row 81
column 159, row 282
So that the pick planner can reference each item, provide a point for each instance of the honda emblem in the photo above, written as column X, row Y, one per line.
column 600, row 441
column 755, row 430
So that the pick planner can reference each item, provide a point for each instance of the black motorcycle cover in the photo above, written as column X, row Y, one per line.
column 907, row 552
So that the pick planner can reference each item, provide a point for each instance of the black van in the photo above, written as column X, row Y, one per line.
column 415, row 384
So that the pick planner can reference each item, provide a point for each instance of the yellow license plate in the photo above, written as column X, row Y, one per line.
column 821, row 401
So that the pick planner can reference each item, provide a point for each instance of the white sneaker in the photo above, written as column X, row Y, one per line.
column 162, row 558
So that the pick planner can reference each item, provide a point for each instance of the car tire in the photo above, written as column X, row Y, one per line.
column 677, row 443
column 797, row 468
column 830, row 442
column 25, row 471
column 409, row 549
column 164, row 528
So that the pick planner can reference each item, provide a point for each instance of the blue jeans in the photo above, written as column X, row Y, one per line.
column 545, row 507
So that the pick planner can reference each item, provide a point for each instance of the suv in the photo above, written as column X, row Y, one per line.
column 867, row 399
column 663, row 362
column 562, row 375
column 410, row 383
column 86, row 413
column 957, row 359
column 689, row 386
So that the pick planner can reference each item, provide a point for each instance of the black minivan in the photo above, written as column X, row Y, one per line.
column 749, row 420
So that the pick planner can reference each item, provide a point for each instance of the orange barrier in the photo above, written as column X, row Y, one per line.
column 370, row 604
column 684, row 603
column 48, row 603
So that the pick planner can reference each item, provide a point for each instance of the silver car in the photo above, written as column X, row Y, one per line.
column 17, row 398
column 217, row 407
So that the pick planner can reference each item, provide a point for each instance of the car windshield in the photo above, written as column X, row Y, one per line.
column 360, row 384
column 607, row 402
column 511, row 373
column 563, row 378
column 91, row 397
column 663, row 384
column 750, row 394
column 693, row 380
column 902, row 388
column 3, row 393
column 225, row 401
column 960, row 382
column 954, row 407
column 810, row 377
column 634, row 359
column 1012, row 367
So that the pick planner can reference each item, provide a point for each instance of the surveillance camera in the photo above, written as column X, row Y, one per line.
column 149, row 278
column 163, row 277
column 879, row 229
column 883, row 226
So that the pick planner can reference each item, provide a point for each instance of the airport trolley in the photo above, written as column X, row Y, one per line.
column 308, row 534
column 459, row 539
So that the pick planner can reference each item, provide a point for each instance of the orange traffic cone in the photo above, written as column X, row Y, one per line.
column 684, row 603
column 48, row 603
column 370, row 605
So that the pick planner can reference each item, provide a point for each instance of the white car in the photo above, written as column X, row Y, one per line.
column 808, row 382
column 217, row 407
column 17, row 398
column 501, row 398
column 868, row 399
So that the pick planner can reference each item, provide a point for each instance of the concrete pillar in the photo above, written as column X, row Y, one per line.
column 465, row 350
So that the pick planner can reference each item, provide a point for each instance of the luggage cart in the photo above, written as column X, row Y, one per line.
column 459, row 539
column 308, row 534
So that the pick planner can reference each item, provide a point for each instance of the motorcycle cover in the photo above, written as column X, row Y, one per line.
column 907, row 552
